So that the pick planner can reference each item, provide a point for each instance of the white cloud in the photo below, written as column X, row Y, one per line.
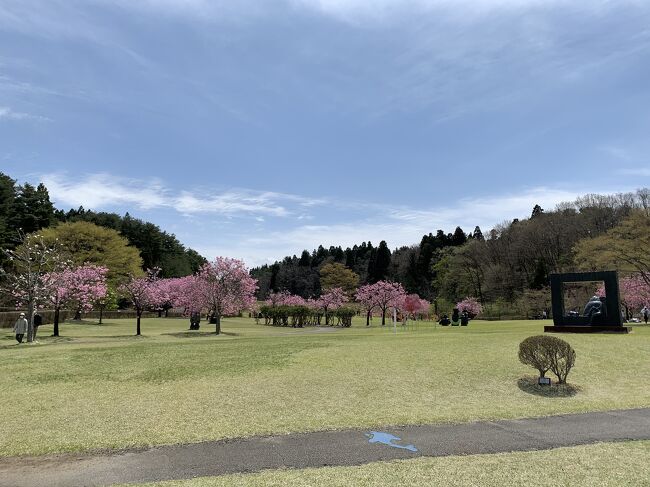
column 105, row 191
column 635, row 171
column 399, row 226
column 7, row 113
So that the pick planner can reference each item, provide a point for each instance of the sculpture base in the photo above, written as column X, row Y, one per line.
column 587, row 329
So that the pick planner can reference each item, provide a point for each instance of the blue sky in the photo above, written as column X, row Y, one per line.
column 255, row 129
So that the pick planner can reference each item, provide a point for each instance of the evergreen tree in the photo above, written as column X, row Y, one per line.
column 478, row 234
column 379, row 264
column 537, row 210
column 459, row 237
column 305, row 259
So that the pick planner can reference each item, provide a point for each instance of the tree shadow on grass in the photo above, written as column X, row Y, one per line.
column 194, row 334
column 529, row 385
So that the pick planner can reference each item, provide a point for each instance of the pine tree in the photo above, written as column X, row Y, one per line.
column 459, row 237
column 537, row 210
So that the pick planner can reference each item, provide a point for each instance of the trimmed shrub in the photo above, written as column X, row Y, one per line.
column 545, row 353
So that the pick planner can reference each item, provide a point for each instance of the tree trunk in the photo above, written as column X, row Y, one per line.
column 160, row 313
column 77, row 315
column 30, row 322
column 368, row 318
column 138, row 321
column 218, row 324
column 383, row 317
column 101, row 312
column 55, row 333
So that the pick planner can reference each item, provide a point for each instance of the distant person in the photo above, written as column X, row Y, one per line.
column 544, row 314
column 645, row 312
column 20, row 327
column 455, row 317
column 444, row 321
column 464, row 318
column 38, row 321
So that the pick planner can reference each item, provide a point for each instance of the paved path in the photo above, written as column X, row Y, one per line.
column 348, row 447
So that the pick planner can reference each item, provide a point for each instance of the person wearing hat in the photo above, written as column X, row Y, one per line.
column 20, row 328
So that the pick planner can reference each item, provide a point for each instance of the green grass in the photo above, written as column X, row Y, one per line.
column 605, row 464
column 98, row 387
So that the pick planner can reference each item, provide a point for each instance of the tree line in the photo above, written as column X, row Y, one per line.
column 509, row 264
column 28, row 208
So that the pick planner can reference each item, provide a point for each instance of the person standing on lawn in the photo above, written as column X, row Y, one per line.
column 646, row 314
column 20, row 327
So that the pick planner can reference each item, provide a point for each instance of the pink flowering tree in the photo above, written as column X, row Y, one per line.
column 185, row 294
column 414, row 306
column 78, row 288
column 225, row 287
column 470, row 305
column 330, row 301
column 634, row 292
column 386, row 295
column 285, row 298
column 143, row 293
column 366, row 297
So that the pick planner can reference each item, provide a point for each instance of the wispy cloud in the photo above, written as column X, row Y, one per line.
column 104, row 191
column 635, row 171
column 7, row 113
column 399, row 226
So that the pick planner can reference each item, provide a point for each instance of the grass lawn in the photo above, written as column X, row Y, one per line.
column 605, row 464
column 101, row 387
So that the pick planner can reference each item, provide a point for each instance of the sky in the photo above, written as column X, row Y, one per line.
column 257, row 129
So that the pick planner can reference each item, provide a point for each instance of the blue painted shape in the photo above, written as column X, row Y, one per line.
column 388, row 440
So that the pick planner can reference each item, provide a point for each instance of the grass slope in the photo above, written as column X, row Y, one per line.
column 605, row 464
column 98, row 387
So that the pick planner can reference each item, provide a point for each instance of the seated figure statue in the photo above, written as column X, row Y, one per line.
column 595, row 310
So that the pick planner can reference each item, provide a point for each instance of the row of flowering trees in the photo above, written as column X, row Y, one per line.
column 283, row 308
column 222, row 287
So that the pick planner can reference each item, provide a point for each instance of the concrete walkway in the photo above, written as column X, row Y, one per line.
column 347, row 447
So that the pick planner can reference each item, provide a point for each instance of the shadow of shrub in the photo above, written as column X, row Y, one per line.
column 195, row 334
column 529, row 385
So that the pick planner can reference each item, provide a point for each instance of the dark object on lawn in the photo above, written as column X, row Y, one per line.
column 195, row 320
column 444, row 321
column 545, row 353
column 464, row 319
column 599, row 315
column 455, row 318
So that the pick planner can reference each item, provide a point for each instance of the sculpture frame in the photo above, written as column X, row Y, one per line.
column 581, row 324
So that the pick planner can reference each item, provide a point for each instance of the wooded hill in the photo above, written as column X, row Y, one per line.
column 508, row 263
column 29, row 208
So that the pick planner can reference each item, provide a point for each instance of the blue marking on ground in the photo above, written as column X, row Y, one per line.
column 388, row 440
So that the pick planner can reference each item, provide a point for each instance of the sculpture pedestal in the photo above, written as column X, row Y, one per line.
column 587, row 329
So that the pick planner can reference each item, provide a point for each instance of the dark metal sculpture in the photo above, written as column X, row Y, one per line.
column 601, row 314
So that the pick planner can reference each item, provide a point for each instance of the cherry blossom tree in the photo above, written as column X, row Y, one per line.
column 366, row 297
column 331, row 300
column 634, row 292
column 143, row 292
column 385, row 295
column 284, row 298
column 79, row 288
column 413, row 305
column 470, row 305
column 31, row 261
column 225, row 287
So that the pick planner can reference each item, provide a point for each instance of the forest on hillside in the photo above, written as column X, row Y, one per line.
column 28, row 208
column 508, row 264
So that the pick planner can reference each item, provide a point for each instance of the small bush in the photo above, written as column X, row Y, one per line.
column 545, row 353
